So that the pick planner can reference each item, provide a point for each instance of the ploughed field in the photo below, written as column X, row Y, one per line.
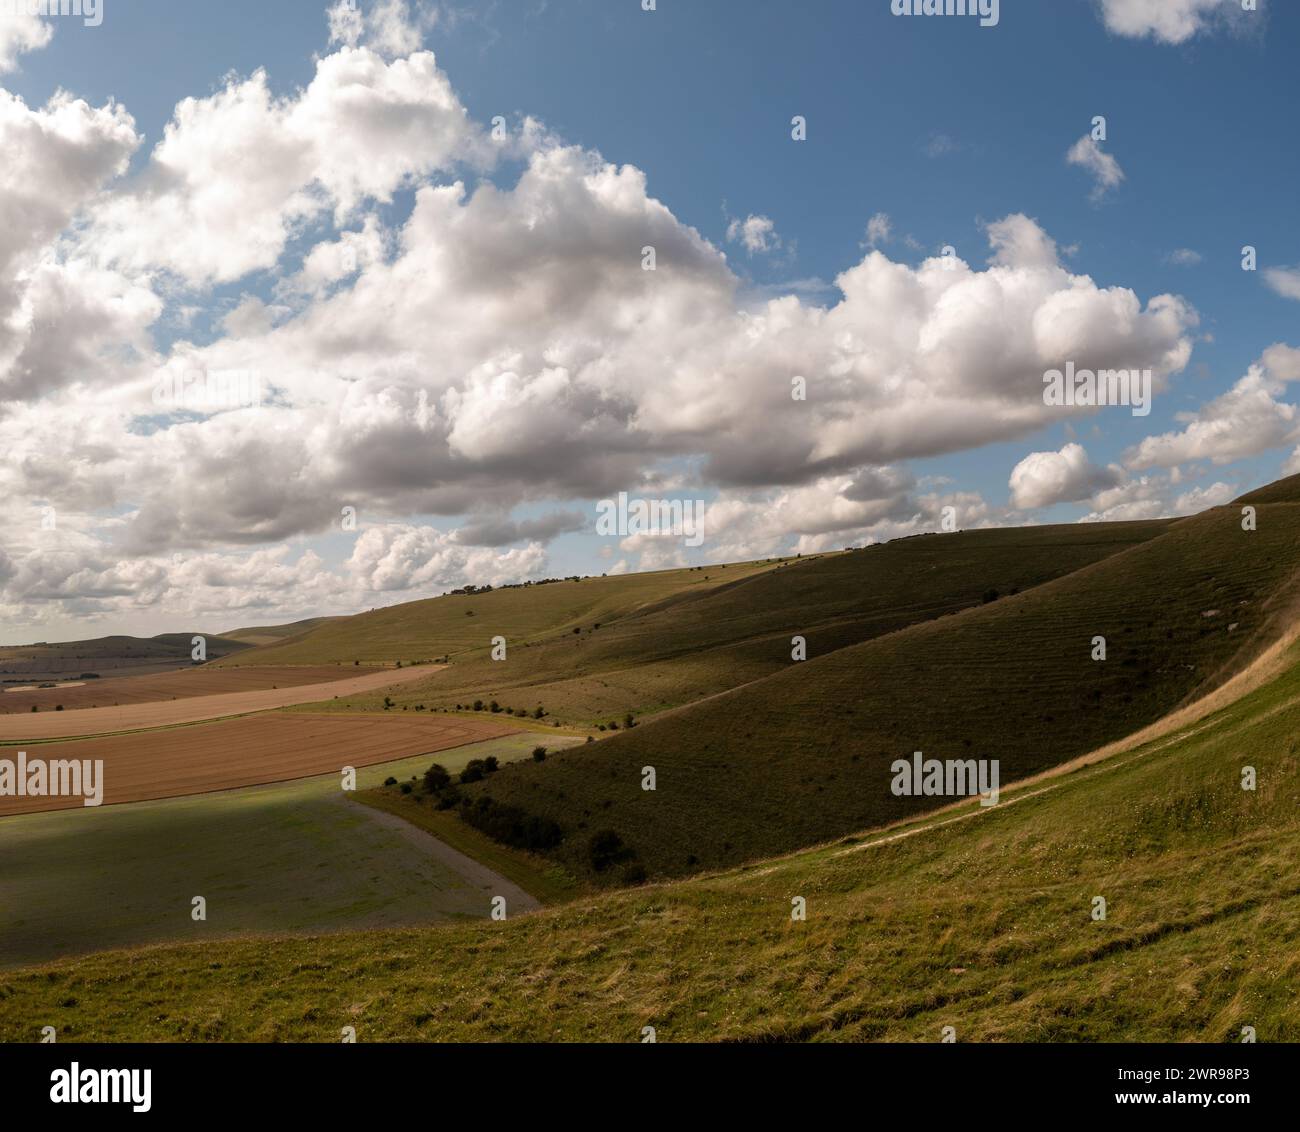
column 270, row 691
column 116, row 691
column 245, row 752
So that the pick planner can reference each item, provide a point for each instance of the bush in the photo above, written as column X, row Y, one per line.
column 494, row 707
column 58, row 707
column 390, row 781
column 628, row 721
column 435, row 778
column 490, row 765
column 538, row 713
column 539, row 754
column 473, row 772
column 605, row 848
column 406, row 787
column 511, row 825
column 478, row 705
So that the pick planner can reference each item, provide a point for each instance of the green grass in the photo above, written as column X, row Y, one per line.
column 456, row 624
column 704, row 641
column 981, row 924
column 804, row 755
column 287, row 857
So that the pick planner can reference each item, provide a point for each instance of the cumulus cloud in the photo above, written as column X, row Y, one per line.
column 1172, row 21
column 757, row 234
column 1101, row 166
column 1284, row 281
column 19, row 34
column 1042, row 479
column 497, row 344
column 1184, row 257
column 1248, row 419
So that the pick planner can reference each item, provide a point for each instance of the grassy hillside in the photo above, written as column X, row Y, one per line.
column 805, row 755
column 458, row 623
column 982, row 923
column 275, row 634
column 107, row 656
column 702, row 641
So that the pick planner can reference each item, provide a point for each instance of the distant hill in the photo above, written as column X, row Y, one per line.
column 107, row 656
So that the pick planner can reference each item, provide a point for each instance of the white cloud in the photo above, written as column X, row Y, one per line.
column 1285, row 281
column 757, row 234
column 879, row 230
column 1042, row 479
column 500, row 345
column 1248, row 419
column 1184, row 257
column 1171, row 21
column 19, row 34
column 1104, row 169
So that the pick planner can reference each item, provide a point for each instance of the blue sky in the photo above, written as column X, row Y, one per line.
column 940, row 125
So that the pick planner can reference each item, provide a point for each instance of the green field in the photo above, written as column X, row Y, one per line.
column 289, row 857
column 983, row 924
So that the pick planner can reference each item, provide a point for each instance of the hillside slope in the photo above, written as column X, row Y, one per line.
column 983, row 924
column 702, row 641
column 805, row 755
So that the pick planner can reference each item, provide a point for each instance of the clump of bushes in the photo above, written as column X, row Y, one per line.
column 511, row 825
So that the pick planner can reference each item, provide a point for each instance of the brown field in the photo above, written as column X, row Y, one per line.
column 176, row 685
column 249, row 752
column 193, row 709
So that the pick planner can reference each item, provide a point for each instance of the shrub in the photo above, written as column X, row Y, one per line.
column 490, row 765
column 478, row 705
column 604, row 849
column 473, row 772
column 58, row 707
column 390, row 781
column 494, row 707
column 435, row 778
column 539, row 754
column 406, row 787
column 538, row 713
column 511, row 825
column 628, row 721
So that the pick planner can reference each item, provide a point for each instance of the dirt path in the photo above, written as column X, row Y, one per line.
column 195, row 709
column 474, row 873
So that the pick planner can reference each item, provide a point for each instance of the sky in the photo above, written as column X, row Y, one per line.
column 309, row 308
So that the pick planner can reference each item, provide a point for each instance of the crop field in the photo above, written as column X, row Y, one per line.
column 273, row 747
column 179, row 685
column 266, row 695
column 290, row 857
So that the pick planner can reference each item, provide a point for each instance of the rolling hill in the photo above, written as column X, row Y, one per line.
column 804, row 755
column 115, row 656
